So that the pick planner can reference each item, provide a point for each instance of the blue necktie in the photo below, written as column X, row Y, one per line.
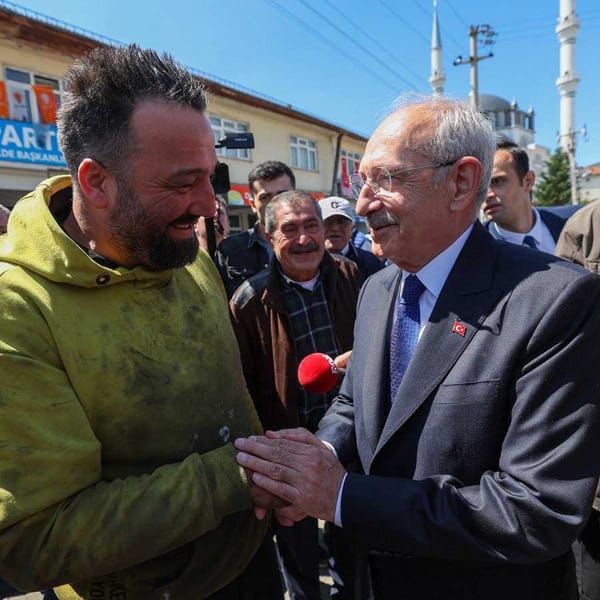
column 529, row 240
column 405, row 331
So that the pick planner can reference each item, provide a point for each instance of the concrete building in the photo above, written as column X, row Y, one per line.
column 36, row 51
column 588, row 183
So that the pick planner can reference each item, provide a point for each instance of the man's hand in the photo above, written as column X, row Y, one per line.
column 295, row 466
column 262, row 499
column 341, row 362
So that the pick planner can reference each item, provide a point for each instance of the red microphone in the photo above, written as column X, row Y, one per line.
column 317, row 373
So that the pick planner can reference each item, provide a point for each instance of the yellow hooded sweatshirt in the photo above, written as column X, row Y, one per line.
column 121, row 393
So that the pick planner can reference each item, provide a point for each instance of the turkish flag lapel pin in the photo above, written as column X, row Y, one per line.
column 458, row 327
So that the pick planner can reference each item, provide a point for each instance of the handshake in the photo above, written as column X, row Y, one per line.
column 291, row 472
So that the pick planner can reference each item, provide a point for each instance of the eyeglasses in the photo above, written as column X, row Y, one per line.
column 381, row 181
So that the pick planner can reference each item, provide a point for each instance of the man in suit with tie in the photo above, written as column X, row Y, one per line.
column 480, row 452
column 508, row 206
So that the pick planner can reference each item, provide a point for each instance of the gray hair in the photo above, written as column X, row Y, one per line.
column 293, row 198
column 459, row 131
column 103, row 88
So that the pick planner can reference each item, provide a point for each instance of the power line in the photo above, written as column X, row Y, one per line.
column 524, row 36
column 517, row 25
column 530, row 22
column 363, row 31
column 405, row 22
column 359, row 46
column 549, row 26
column 327, row 41
column 447, row 2
column 540, row 30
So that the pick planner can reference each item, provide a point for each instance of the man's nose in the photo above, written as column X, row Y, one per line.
column 367, row 201
column 204, row 202
column 303, row 238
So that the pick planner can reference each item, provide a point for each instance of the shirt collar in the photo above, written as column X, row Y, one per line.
column 434, row 274
column 536, row 232
column 305, row 285
column 254, row 237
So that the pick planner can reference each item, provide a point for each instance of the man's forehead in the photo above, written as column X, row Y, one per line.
column 503, row 158
column 503, row 162
column 402, row 133
column 338, row 219
column 303, row 212
column 281, row 183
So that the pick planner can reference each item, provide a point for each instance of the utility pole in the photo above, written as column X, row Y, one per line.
column 488, row 35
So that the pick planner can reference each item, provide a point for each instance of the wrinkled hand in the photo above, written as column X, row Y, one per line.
column 295, row 466
column 262, row 499
column 288, row 515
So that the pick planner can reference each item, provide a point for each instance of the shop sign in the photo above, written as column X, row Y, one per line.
column 30, row 143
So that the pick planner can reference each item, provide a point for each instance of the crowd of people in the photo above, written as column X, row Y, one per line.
column 155, row 442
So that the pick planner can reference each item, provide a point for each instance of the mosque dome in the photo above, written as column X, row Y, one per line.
column 490, row 103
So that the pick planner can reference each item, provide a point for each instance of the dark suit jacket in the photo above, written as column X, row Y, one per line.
column 487, row 462
column 366, row 261
column 554, row 218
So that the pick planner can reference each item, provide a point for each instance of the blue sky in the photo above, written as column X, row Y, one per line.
column 345, row 61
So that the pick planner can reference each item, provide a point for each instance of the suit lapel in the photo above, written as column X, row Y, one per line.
column 553, row 222
column 464, row 302
column 374, row 387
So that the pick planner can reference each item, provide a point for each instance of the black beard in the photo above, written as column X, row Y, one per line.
column 144, row 240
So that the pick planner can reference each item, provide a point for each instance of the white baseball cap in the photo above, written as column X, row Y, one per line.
column 334, row 205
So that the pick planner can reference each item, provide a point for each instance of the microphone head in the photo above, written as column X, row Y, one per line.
column 317, row 373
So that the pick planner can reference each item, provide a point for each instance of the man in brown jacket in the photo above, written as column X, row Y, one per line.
column 579, row 242
column 304, row 303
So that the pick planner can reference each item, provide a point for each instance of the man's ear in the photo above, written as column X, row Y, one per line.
column 96, row 183
column 466, row 178
column 528, row 181
column 251, row 199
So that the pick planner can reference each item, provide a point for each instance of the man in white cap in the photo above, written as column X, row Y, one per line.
column 338, row 217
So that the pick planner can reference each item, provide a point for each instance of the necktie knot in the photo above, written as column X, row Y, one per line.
column 412, row 289
column 529, row 240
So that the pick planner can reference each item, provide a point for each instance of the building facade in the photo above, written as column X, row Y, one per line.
column 588, row 183
column 35, row 53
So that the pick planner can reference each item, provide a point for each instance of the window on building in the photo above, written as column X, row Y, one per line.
column 222, row 126
column 304, row 153
column 22, row 100
column 352, row 160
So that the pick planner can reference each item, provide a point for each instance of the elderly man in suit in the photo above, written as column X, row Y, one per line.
column 471, row 398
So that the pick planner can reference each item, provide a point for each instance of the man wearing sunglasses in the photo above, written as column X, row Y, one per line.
column 471, row 397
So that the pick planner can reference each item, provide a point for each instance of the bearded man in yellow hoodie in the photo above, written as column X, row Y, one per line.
column 122, row 389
